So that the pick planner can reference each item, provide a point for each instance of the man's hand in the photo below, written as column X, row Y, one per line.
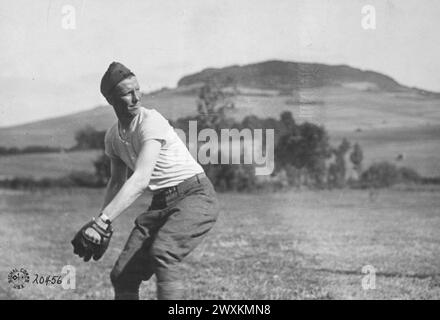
column 92, row 239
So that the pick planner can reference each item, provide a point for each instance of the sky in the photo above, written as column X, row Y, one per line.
column 47, row 70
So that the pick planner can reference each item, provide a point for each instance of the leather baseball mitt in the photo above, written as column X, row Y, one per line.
column 87, row 247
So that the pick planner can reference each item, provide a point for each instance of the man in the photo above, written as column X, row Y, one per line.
column 184, row 205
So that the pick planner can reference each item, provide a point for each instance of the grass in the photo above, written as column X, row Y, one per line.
column 289, row 245
column 339, row 109
column 384, row 124
column 419, row 146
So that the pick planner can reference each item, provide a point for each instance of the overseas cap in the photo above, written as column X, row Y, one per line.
column 115, row 73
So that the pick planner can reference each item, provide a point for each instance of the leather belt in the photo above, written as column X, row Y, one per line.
column 181, row 187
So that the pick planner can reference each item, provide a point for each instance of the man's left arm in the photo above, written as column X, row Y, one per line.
column 138, row 181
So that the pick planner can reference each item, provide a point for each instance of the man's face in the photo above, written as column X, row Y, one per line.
column 126, row 96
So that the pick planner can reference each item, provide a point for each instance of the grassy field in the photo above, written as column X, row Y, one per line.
column 419, row 147
column 337, row 108
column 385, row 124
column 289, row 245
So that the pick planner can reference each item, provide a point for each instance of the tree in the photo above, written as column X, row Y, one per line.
column 212, row 105
column 337, row 170
column 340, row 161
column 356, row 158
column 287, row 120
column 305, row 146
column 102, row 169
column 89, row 138
column 252, row 122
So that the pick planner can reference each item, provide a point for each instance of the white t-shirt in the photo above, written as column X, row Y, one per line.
column 175, row 163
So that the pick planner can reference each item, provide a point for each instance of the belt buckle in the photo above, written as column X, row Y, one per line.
column 170, row 191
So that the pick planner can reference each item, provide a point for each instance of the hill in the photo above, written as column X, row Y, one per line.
column 286, row 76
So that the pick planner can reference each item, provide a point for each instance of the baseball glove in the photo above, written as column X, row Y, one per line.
column 86, row 247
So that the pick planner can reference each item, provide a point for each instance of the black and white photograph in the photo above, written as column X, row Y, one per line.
column 219, row 150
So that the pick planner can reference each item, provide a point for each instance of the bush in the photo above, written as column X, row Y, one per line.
column 89, row 138
column 294, row 175
column 29, row 149
column 385, row 174
column 102, row 169
column 380, row 175
column 430, row 180
column 226, row 177
column 409, row 175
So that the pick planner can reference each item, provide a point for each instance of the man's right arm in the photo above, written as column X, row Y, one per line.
column 117, row 179
column 98, row 231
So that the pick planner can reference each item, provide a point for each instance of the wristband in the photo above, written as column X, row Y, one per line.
column 105, row 218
